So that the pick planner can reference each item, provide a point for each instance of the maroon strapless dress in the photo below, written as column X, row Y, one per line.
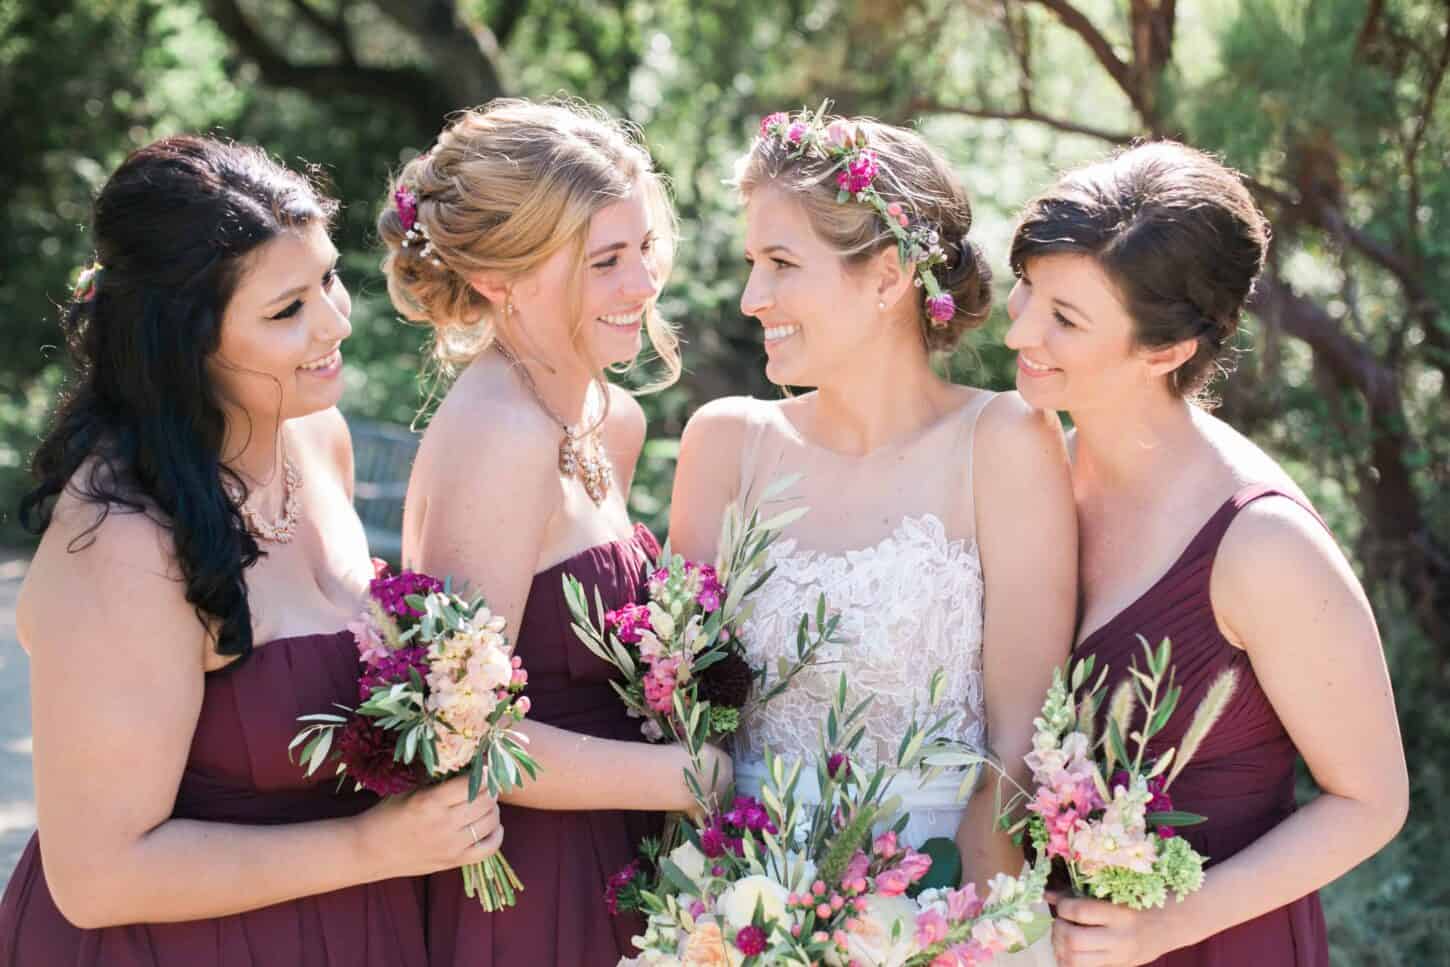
column 564, row 858
column 1242, row 778
column 238, row 771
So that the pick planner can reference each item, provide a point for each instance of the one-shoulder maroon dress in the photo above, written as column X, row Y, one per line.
column 238, row 771
column 1242, row 778
column 564, row 858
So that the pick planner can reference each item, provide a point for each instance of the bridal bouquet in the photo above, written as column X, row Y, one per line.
column 1101, row 805
column 785, row 881
column 683, row 668
column 440, row 691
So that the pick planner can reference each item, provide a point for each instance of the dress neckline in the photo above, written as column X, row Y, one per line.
column 605, row 547
column 947, row 418
column 283, row 642
column 788, row 546
column 1136, row 603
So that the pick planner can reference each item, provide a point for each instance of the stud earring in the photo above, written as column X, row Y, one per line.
column 881, row 306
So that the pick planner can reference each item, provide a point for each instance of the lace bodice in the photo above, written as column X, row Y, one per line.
column 910, row 604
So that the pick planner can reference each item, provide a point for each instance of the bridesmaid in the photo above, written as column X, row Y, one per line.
column 534, row 239
column 1131, row 277
column 195, row 499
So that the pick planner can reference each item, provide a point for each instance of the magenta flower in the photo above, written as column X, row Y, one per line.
column 748, row 814
column 712, row 842
column 772, row 121
column 627, row 622
column 407, row 205
column 797, row 132
column 710, row 591
column 750, row 940
column 391, row 592
column 391, row 668
column 941, row 308
column 619, row 882
column 858, row 173
column 838, row 766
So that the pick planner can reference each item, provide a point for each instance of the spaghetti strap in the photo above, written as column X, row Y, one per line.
column 750, row 451
column 967, row 435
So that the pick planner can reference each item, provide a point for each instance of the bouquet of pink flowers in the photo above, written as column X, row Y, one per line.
column 440, row 691
column 1103, row 813
column 785, row 881
column 679, row 654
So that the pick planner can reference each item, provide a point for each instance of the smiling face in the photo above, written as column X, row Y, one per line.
column 819, row 315
column 278, row 355
column 619, row 281
column 1074, row 340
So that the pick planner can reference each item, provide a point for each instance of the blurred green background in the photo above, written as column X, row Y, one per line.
column 1336, row 109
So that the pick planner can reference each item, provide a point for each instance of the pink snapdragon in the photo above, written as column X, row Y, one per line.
column 660, row 683
column 931, row 927
column 628, row 622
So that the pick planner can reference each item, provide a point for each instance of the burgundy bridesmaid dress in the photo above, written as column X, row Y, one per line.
column 1242, row 778
column 564, row 858
column 238, row 771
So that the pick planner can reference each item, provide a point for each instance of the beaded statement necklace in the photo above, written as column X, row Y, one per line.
column 581, row 452
column 284, row 528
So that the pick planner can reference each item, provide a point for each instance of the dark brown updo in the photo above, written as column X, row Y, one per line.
column 1175, row 231
column 912, row 175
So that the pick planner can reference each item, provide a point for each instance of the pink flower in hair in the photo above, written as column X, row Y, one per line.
column 839, row 134
column 770, row 122
column 858, row 173
column 407, row 204
column 941, row 308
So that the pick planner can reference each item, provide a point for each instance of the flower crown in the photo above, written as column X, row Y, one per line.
column 414, row 232
column 856, row 166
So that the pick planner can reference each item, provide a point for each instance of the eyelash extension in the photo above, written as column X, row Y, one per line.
column 295, row 305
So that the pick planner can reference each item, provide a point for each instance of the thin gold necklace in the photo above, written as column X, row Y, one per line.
column 581, row 453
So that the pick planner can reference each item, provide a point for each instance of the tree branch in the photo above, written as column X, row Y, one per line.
column 466, row 52
column 1121, row 72
column 333, row 29
column 1352, row 362
column 1412, row 151
column 928, row 106
column 506, row 18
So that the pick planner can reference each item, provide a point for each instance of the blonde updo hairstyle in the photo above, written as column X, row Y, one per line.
column 504, row 188
column 910, row 174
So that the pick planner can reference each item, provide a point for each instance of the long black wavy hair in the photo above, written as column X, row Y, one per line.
column 173, row 227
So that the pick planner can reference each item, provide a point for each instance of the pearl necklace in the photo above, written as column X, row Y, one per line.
column 285, row 527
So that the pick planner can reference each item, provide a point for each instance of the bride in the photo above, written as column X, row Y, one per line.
column 941, row 523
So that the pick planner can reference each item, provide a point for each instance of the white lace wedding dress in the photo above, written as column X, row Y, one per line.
column 890, row 541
